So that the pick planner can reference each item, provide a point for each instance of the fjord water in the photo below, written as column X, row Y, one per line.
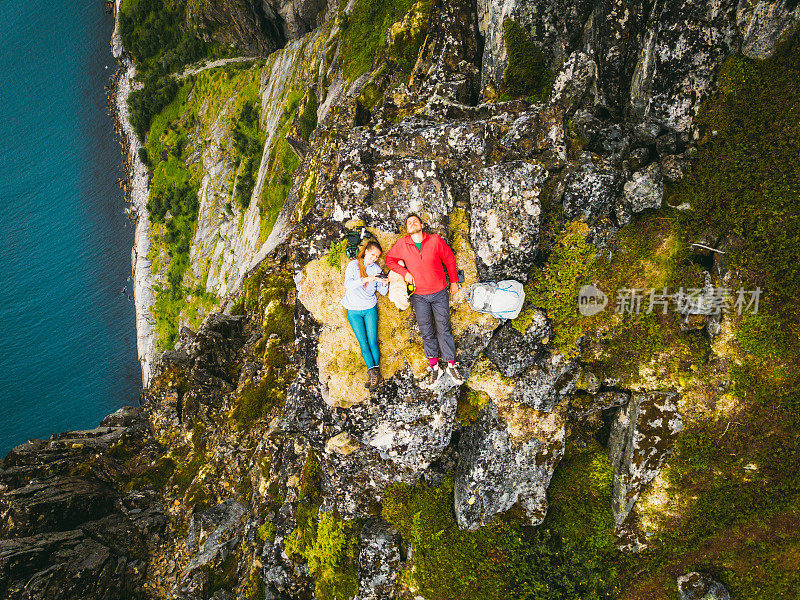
column 67, row 329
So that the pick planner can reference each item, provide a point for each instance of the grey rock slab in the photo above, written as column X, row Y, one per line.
column 574, row 81
column 223, row 524
column 395, row 437
column 511, row 351
column 642, row 436
column 505, row 219
column 681, row 50
column 537, row 133
column 545, row 383
column 764, row 23
column 379, row 561
column 645, row 188
column 494, row 471
column 589, row 190
column 405, row 185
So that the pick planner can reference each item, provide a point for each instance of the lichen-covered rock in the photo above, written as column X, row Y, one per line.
column 379, row 561
column 409, row 185
column 554, row 25
column 642, row 436
column 395, row 439
column 505, row 210
column 538, row 133
column 513, row 352
column 673, row 167
column 448, row 62
column 211, row 537
column 497, row 469
column 584, row 405
column 701, row 586
column 763, row 23
column 682, row 47
column 645, row 189
column 574, row 81
column 546, row 382
column 405, row 424
column 589, row 190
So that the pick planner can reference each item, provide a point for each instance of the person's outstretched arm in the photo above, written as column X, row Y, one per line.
column 394, row 260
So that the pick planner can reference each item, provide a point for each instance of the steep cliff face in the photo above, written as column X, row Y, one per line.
column 592, row 453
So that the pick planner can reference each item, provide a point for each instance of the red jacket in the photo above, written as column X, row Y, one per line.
column 426, row 266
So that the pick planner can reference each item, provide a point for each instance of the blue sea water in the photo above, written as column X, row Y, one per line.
column 67, row 329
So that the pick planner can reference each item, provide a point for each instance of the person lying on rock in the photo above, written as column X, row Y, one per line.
column 421, row 258
column 362, row 278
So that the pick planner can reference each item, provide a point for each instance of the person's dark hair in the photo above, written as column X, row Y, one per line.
column 413, row 214
column 360, row 257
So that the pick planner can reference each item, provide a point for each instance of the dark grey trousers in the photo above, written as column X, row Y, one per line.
column 433, row 317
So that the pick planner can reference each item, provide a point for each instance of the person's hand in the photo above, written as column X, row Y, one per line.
column 370, row 278
column 453, row 289
column 409, row 278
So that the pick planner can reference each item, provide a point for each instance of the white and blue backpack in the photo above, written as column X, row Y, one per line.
column 502, row 300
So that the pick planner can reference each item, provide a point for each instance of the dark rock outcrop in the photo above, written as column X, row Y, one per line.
column 69, row 528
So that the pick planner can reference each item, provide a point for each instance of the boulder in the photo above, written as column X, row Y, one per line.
column 763, row 23
column 574, row 81
column 405, row 424
column 396, row 438
column 503, row 461
column 673, row 167
column 642, row 435
column 545, row 383
column 588, row 404
column 379, row 561
column 537, row 133
column 589, row 190
column 220, row 529
column 506, row 214
column 645, row 188
column 511, row 351
column 553, row 25
column 407, row 185
column 701, row 586
column 682, row 46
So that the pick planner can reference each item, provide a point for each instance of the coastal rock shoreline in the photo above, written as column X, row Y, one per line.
column 136, row 191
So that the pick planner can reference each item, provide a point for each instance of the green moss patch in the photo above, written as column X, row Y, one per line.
column 363, row 33
column 527, row 74
column 155, row 35
column 501, row 560
column 173, row 147
column 328, row 543
column 744, row 183
column 270, row 294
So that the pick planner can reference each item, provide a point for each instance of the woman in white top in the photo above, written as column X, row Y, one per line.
column 362, row 279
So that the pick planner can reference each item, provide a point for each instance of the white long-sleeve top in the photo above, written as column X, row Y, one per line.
column 357, row 297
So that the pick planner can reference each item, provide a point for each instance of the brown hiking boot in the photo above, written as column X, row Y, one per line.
column 375, row 378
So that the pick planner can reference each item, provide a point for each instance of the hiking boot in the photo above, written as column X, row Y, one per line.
column 432, row 378
column 375, row 378
column 455, row 374
column 368, row 383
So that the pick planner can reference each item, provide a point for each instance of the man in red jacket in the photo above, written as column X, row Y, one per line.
column 422, row 258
